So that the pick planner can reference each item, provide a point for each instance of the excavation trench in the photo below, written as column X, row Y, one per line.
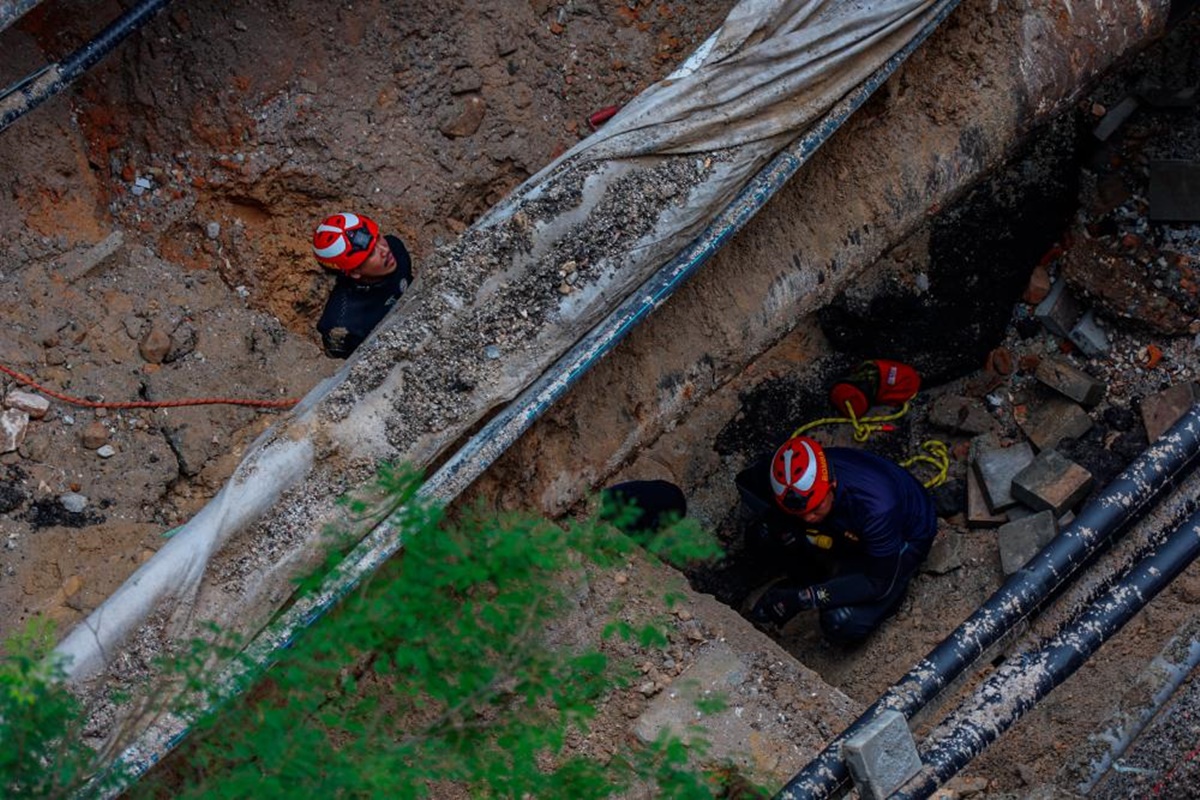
column 910, row 234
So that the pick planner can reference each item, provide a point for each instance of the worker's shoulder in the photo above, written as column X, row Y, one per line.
column 847, row 461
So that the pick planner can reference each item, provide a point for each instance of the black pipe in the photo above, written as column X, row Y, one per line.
column 1019, row 684
column 1128, row 496
column 31, row 91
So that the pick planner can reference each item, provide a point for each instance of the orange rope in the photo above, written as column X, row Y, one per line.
column 194, row 401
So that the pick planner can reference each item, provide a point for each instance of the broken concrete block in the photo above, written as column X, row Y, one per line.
column 1161, row 411
column 1174, row 191
column 75, row 265
column 1056, row 419
column 1021, row 539
column 1069, row 380
column 882, row 755
column 961, row 415
column 13, row 423
column 34, row 405
column 978, row 513
column 1089, row 337
column 1052, row 483
column 945, row 555
column 1115, row 118
column 995, row 468
column 1059, row 311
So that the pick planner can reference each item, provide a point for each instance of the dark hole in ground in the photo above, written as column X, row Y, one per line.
column 980, row 256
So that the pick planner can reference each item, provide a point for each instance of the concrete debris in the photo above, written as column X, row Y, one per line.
column 1069, row 380
column 945, row 555
column 882, row 756
column 979, row 515
column 1114, row 118
column 1020, row 540
column 995, row 468
column 1052, row 483
column 1089, row 337
column 73, row 502
column 77, row 264
column 1049, row 422
column 961, row 415
column 13, row 423
column 34, row 405
column 1059, row 311
column 1162, row 410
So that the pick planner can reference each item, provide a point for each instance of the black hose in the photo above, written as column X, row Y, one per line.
column 1121, row 502
column 1019, row 684
column 31, row 91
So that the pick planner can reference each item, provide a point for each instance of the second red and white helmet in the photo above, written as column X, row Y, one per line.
column 343, row 241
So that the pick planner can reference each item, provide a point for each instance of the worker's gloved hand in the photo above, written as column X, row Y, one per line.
column 780, row 603
column 763, row 534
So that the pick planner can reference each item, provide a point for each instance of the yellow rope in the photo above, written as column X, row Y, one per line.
column 935, row 451
column 863, row 428
column 937, row 454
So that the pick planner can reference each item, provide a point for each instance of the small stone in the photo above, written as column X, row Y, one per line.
column 133, row 326
column 155, row 346
column 73, row 502
column 13, row 424
column 34, row 405
column 94, row 435
column 212, row 230
column 107, row 451
column 621, row 578
column 71, row 586
column 467, row 120
column 491, row 352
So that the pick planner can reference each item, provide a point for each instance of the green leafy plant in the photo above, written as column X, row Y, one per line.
column 439, row 679
column 42, row 754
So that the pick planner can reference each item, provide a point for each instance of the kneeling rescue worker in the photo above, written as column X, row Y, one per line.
column 872, row 516
column 373, row 272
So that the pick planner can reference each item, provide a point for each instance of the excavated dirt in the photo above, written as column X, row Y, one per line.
column 170, row 193
column 154, row 248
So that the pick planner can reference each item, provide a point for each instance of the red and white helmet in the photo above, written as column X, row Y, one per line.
column 800, row 475
column 343, row 241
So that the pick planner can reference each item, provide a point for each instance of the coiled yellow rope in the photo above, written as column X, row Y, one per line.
column 935, row 451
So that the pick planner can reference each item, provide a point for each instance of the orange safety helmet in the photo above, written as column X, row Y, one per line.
column 800, row 475
column 343, row 241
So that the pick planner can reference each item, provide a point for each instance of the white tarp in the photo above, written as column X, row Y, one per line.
column 494, row 310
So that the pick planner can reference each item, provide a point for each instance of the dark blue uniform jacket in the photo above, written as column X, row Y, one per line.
column 883, row 521
column 354, row 308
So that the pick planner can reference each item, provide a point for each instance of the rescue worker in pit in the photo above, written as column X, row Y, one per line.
column 373, row 272
column 873, row 518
